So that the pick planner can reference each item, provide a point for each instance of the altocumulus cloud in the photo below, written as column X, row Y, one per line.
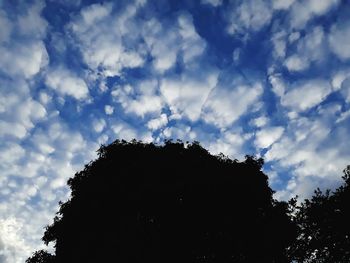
column 264, row 77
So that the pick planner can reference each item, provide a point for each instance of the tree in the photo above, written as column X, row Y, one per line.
column 173, row 203
column 41, row 256
column 324, row 226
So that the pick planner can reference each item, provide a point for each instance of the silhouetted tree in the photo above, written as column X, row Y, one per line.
column 324, row 226
column 174, row 203
column 41, row 256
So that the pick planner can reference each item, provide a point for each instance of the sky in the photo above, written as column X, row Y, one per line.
column 270, row 78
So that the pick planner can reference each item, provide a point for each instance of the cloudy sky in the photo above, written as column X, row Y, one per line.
column 263, row 77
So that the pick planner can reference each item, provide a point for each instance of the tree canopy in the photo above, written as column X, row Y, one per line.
column 324, row 226
column 172, row 203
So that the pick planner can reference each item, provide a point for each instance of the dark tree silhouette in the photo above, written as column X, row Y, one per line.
column 173, row 203
column 41, row 256
column 324, row 226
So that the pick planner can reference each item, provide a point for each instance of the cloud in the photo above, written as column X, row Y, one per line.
column 219, row 109
column 339, row 40
column 19, row 112
column 302, row 12
column 180, row 131
column 102, row 48
column 186, row 95
column 345, row 90
column 280, row 44
column 266, row 137
column 32, row 23
column 310, row 48
column 23, row 60
column 22, row 51
column 125, row 131
column 309, row 149
column 260, row 121
column 142, row 99
column 11, row 245
column 296, row 63
column 178, row 41
column 230, row 143
column 282, row 4
column 66, row 82
column 214, row 3
column 306, row 94
column 277, row 83
column 109, row 109
column 157, row 123
column 99, row 125
column 37, row 170
column 249, row 15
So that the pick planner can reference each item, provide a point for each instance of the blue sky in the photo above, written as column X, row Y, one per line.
column 263, row 77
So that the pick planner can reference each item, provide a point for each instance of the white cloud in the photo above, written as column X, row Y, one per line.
column 163, row 45
column 282, row 4
column 249, row 15
column 95, row 13
column 214, row 3
column 99, row 34
column 187, row 95
column 44, row 98
column 339, row 40
column 294, row 36
column 23, row 60
column 157, row 123
column 345, row 90
column 12, row 129
column 142, row 99
column 125, row 131
column 26, row 55
column 280, row 45
column 320, row 8
column 260, row 122
column 338, row 78
column 296, row 63
column 236, row 54
column 343, row 116
column 310, row 48
column 219, row 108
column 306, row 94
column 49, row 157
column 109, row 109
column 267, row 136
column 32, row 23
column 303, row 11
column 192, row 44
column 11, row 153
column 12, row 247
column 99, row 125
column 166, row 44
column 180, row 131
column 277, row 83
column 66, row 82
column 229, row 143
column 311, row 148
column 19, row 112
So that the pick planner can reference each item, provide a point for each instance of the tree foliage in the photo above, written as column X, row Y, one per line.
column 173, row 203
column 324, row 226
column 41, row 256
